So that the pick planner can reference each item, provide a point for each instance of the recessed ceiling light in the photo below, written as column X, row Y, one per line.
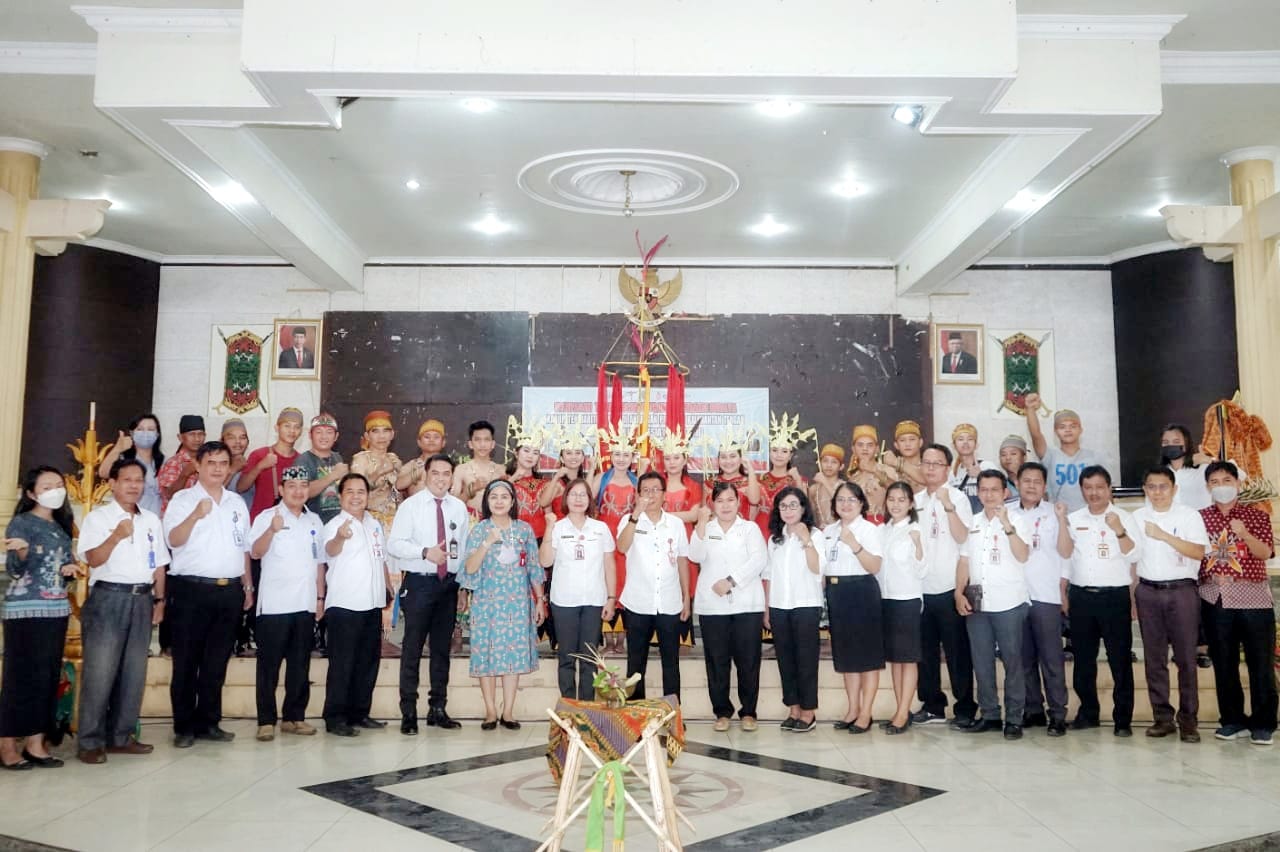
column 411, row 184
column 779, row 107
column 1024, row 200
column 232, row 193
column 491, row 225
column 848, row 188
column 908, row 114
column 769, row 227
column 478, row 104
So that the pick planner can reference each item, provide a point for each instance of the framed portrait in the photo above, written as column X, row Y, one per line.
column 958, row 357
column 296, row 350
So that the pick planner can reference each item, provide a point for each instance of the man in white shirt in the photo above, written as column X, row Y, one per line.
column 209, row 584
column 656, row 594
column 356, row 590
column 427, row 537
column 286, row 539
column 1172, row 540
column 1098, row 599
column 991, row 594
column 1042, row 652
column 123, row 544
column 945, row 516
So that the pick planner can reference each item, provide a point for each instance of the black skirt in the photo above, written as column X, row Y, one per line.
column 32, row 670
column 857, row 632
column 902, row 630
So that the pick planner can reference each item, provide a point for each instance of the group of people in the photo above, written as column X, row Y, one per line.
column 906, row 556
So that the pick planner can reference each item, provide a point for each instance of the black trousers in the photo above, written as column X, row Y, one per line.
column 580, row 626
column 639, row 628
column 732, row 641
column 285, row 637
column 1102, row 616
column 32, row 670
column 547, row 629
column 355, row 646
column 941, row 625
column 429, row 607
column 1254, row 630
column 246, row 633
column 204, row 619
column 795, row 640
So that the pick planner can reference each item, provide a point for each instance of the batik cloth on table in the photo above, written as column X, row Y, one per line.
column 610, row 732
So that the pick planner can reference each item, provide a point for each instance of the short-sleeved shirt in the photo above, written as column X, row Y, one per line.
column 218, row 541
column 288, row 580
column 738, row 552
column 355, row 580
column 967, row 484
column 578, row 578
column 167, row 476
column 1045, row 568
column 134, row 560
column 653, row 570
column 1064, row 475
column 1193, row 491
column 992, row 563
column 901, row 574
column 1230, row 573
column 1160, row 563
column 792, row 585
column 325, row 504
column 266, row 488
column 941, row 550
column 1097, row 559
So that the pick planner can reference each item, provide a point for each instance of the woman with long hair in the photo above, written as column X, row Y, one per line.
column 573, row 465
column 853, row 604
column 38, row 560
column 615, row 491
column 793, row 591
column 732, row 466
column 683, row 499
column 141, row 442
column 1182, row 457
column 902, row 570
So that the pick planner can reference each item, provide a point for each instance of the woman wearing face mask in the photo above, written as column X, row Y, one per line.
column 39, row 559
column 1177, row 451
column 141, row 442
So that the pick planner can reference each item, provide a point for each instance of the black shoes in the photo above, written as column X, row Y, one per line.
column 216, row 735
column 408, row 727
column 924, row 717
column 183, row 741
column 440, row 719
column 962, row 723
column 1013, row 732
column 1123, row 731
column 46, row 762
column 341, row 729
column 1080, row 723
column 983, row 726
column 1057, row 727
column 509, row 724
column 1034, row 720
column 369, row 723
column 490, row 725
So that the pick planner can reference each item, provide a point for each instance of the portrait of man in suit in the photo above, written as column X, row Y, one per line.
column 300, row 355
column 956, row 359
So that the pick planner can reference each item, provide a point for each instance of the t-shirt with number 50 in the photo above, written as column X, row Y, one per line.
column 1064, row 475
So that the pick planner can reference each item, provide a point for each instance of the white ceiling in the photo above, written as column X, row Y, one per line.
column 1209, row 25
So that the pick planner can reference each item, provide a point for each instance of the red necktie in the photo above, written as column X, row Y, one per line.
column 442, row 569
column 955, row 363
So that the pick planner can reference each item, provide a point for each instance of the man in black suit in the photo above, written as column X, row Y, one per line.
column 299, row 357
column 956, row 360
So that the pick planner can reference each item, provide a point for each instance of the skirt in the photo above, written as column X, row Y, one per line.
column 902, row 630
column 857, row 632
column 32, row 670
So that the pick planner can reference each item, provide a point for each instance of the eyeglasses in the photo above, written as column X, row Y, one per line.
column 933, row 464
column 846, row 501
column 793, row 504
column 1157, row 487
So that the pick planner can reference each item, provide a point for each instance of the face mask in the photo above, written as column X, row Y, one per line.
column 53, row 498
column 1224, row 493
column 145, row 440
column 1172, row 452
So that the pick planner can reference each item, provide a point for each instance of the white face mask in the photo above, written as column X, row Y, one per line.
column 53, row 498
column 1224, row 493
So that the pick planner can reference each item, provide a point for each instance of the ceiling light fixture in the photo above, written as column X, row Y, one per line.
column 411, row 184
column 478, row 105
column 1024, row 200
column 232, row 193
column 779, row 107
column 491, row 225
column 768, row 227
column 627, row 174
column 848, row 188
column 908, row 114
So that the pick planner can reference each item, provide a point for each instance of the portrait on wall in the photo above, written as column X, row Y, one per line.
column 957, row 354
column 296, row 350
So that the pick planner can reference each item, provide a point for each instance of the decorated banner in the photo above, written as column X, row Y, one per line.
column 708, row 413
column 238, row 370
column 1020, row 363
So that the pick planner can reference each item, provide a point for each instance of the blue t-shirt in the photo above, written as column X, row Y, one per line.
column 1064, row 475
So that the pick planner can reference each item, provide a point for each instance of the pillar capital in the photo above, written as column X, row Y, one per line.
column 1257, row 152
column 24, row 146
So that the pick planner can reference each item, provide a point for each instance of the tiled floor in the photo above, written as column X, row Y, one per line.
column 929, row 789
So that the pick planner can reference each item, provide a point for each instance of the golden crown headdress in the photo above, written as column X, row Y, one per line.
column 729, row 439
column 619, row 441
column 674, row 442
column 568, row 438
column 785, row 431
column 529, row 433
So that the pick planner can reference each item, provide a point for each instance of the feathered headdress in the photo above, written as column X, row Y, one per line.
column 616, row 440
column 785, row 431
column 567, row 438
column 522, row 434
column 729, row 439
column 674, row 442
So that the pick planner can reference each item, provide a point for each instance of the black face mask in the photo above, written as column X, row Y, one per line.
column 1172, row 452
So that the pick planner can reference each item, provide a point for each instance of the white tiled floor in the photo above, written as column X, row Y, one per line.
column 1086, row 791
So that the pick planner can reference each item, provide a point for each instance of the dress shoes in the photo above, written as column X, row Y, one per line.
column 1081, row 723
column 1162, row 729
column 1034, row 720
column 1013, row 732
column 489, row 725
column 216, row 735
column 20, row 766
column 92, row 756
column 183, row 741
column 369, row 723
column 1123, row 731
column 509, row 724
column 983, row 726
column 1189, row 735
column 302, row 729
column 266, row 733
column 1057, row 727
column 722, row 725
column 46, row 762
column 409, row 727
column 341, row 729
column 440, row 719
column 749, row 723
column 131, row 747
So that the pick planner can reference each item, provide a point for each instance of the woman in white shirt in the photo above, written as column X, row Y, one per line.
column 902, row 570
column 853, row 604
column 583, row 584
column 793, row 594
column 729, row 601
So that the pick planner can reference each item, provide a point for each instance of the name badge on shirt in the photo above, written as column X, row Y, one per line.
column 933, row 530
column 1104, row 549
column 579, row 552
column 315, row 548
column 835, row 551
column 715, row 538
column 151, row 555
column 377, row 546
column 236, row 534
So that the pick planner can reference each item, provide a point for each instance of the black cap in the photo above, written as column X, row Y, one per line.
column 190, row 423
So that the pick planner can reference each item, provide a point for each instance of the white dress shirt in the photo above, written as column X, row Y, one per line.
column 841, row 560
column 1097, row 560
column 941, row 550
column 1193, row 491
column 1045, row 568
column 901, row 574
column 653, row 570
column 578, row 576
column 414, row 529
column 791, row 584
column 739, row 553
column 133, row 560
column 1160, row 563
column 218, row 541
column 355, row 580
column 288, row 580
column 993, row 565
